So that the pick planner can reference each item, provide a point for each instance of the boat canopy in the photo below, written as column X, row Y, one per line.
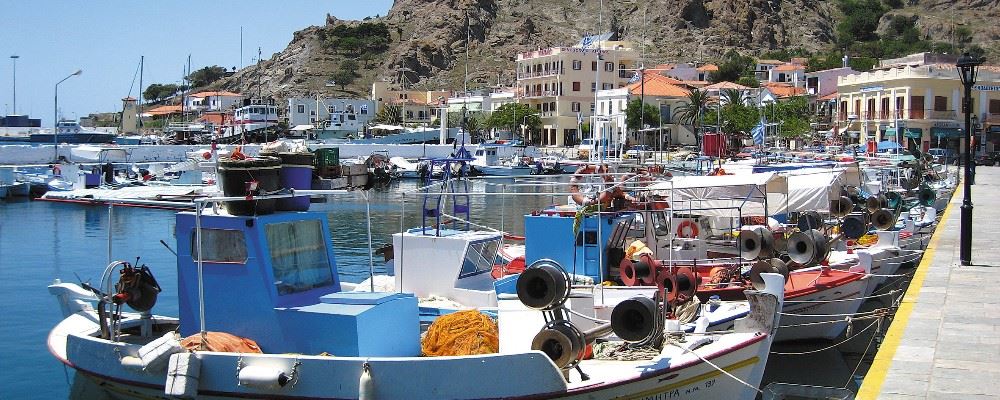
column 811, row 189
column 725, row 195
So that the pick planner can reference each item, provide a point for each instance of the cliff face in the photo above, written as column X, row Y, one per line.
column 428, row 37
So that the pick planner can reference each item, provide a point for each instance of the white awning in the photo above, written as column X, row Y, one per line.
column 725, row 195
column 388, row 127
column 299, row 128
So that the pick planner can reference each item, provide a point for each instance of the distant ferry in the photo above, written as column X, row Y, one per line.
column 71, row 132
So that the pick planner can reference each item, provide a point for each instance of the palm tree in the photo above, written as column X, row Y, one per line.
column 691, row 112
column 734, row 96
column 390, row 114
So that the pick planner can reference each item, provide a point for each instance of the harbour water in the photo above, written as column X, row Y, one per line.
column 40, row 241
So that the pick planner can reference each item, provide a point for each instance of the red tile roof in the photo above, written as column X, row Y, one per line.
column 658, row 85
column 788, row 67
column 783, row 90
column 725, row 85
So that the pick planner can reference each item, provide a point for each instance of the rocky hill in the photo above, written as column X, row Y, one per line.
column 427, row 38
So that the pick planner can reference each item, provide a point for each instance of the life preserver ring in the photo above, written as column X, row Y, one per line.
column 687, row 229
column 574, row 185
column 56, row 170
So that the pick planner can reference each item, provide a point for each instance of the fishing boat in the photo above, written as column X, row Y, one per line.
column 293, row 332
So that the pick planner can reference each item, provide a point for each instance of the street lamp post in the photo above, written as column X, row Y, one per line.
column 55, row 117
column 14, row 91
column 967, row 66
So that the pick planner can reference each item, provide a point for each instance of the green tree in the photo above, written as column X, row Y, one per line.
column 693, row 110
column 345, row 74
column 734, row 96
column 748, row 81
column 634, row 120
column 734, row 66
column 389, row 114
column 861, row 18
column 156, row 92
column 510, row 116
column 205, row 76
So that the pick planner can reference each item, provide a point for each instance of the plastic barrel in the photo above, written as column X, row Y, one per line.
column 236, row 175
column 296, row 173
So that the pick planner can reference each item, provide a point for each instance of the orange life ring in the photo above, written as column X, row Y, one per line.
column 574, row 185
column 687, row 229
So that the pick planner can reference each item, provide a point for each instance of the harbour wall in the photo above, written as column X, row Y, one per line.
column 44, row 154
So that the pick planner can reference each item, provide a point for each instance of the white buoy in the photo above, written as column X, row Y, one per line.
column 366, row 385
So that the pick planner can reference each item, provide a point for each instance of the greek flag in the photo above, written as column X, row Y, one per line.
column 758, row 133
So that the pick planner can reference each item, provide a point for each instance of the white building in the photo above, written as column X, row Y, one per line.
column 212, row 101
column 823, row 83
column 349, row 115
column 661, row 92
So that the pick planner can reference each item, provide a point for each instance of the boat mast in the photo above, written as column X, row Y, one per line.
column 139, row 103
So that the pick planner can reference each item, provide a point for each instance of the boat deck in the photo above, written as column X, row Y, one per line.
column 945, row 339
column 179, row 197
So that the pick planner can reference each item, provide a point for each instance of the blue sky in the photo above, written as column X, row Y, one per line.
column 106, row 38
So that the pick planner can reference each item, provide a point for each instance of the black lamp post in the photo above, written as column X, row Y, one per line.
column 967, row 66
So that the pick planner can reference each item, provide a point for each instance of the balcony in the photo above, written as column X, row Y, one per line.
column 992, row 118
column 540, row 74
column 944, row 114
column 540, row 93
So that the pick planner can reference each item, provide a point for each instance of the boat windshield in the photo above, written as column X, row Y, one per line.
column 480, row 257
column 298, row 256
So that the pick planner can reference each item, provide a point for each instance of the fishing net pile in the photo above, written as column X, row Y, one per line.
column 461, row 333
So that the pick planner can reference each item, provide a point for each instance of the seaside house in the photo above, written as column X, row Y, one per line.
column 340, row 114
column 562, row 82
column 416, row 107
column 917, row 99
column 212, row 101
column 664, row 93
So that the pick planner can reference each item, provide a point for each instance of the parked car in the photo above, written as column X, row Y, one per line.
column 943, row 156
column 991, row 158
column 638, row 151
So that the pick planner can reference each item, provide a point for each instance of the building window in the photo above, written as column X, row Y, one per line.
column 609, row 66
column 331, row 109
column 994, row 106
column 577, row 65
column 364, row 109
column 575, row 106
column 593, row 86
column 607, row 86
column 545, row 107
column 349, row 108
column 591, row 108
column 593, row 65
column 576, row 86
column 916, row 107
column 552, row 106
column 884, row 110
column 621, row 66
column 301, row 109
column 940, row 103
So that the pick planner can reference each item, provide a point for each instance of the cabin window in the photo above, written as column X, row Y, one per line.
column 301, row 109
column 298, row 256
column 220, row 246
column 480, row 258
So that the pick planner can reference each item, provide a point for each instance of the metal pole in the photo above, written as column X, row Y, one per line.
column 966, row 232
column 15, row 57
column 371, row 260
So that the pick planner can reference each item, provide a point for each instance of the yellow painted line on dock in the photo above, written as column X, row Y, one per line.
column 871, row 387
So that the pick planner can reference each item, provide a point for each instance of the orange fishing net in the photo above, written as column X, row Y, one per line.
column 461, row 333
column 222, row 342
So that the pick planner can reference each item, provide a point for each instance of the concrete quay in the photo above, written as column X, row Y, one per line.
column 944, row 342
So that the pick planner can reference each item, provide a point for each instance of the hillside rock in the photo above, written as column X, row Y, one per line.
column 429, row 37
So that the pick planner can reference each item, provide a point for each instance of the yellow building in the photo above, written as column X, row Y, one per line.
column 561, row 83
column 416, row 106
column 921, row 95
